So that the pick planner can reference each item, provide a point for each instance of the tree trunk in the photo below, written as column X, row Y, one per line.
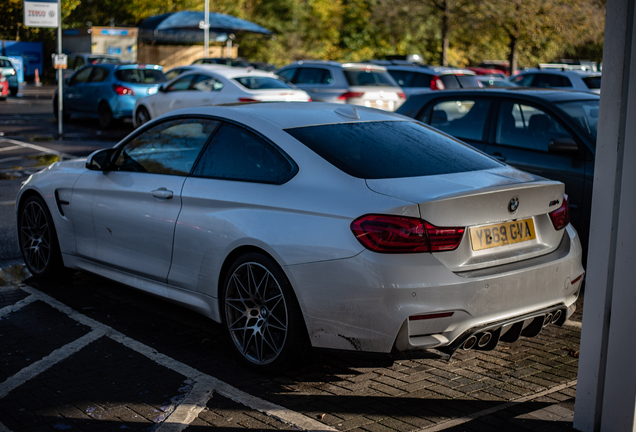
column 513, row 55
column 445, row 42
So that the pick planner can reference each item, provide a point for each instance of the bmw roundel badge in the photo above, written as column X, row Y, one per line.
column 513, row 205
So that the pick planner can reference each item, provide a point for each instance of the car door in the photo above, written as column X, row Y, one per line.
column 318, row 82
column 125, row 217
column 522, row 138
column 230, row 196
column 465, row 118
column 74, row 92
column 172, row 96
column 93, row 89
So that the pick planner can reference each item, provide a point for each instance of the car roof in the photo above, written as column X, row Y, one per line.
column 551, row 71
column 435, row 70
column 231, row 72
column 127, row 66
column 294, row 114
column 547, row 94
column 336, row 64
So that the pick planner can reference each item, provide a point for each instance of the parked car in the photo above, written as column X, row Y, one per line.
column 227, row 61
column 176, row 71
column 213, row 85
column 559, row 79
column 419, row 79
column 345, row 83
column 491, row 72
column 108, row 91
column 551, row 133
column 495, row 81
column 8, row 71
column 4, row 88
column 77, row 61
column 411, row 244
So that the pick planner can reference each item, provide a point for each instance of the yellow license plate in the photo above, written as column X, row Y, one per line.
column 502, row 234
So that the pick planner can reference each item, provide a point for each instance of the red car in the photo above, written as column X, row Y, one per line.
column 4, row 88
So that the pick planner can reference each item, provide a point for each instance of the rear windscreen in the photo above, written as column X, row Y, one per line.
column 390, row 149
column 593, row 83
column 262, row 83
column 140, row 76
column 467, row 81
column 366, row 78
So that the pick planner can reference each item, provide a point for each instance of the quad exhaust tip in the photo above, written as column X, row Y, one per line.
column 556, row 316
column 547, row 319
column 470, row 343
column 484, row 339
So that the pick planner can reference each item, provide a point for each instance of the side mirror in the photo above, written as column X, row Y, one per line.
column 100, row 160
column 68, row 81
column 563, row 146
column 161, row 89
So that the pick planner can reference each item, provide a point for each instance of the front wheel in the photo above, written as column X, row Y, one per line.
column 261, row 315
column 141, row 116
column 105, row 115
column 38, row 239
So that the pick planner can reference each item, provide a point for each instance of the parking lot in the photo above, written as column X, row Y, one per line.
column 90, row 354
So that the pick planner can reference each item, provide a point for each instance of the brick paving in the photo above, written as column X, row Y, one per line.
column 478, row 390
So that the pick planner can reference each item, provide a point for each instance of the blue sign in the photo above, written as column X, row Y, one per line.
column 114, row 32
column 114, row 50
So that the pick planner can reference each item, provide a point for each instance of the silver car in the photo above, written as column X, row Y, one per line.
column 346, row 83
column 301, row 225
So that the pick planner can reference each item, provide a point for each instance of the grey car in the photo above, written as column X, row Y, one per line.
column 346, row 83
column 560, row 79
column 421, row 79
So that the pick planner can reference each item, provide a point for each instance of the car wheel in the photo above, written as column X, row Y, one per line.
column 105, row 115
column 141, row 116
column 38, row 239
column 13, row 92
column 261, row 315
column 65, row 115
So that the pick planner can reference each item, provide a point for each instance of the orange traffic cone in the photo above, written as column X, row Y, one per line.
column 37, row 78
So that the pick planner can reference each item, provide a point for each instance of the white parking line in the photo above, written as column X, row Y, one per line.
column 194, row 402
column 37, row 147
column 483, row 413
column 10, row 148
column 17, row 306
column 7, row 203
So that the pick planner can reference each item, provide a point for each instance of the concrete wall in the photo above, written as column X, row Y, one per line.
column 170, row 56
column 606, row 387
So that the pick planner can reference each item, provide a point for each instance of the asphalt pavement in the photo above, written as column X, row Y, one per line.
column 87, row 354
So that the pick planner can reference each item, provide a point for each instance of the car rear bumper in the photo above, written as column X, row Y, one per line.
column 406, row 304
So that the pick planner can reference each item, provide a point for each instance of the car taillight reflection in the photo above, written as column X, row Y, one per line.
column 122, row 90
column 350, row 95
column 437, row 84
column 561, row 216
column 399, row 234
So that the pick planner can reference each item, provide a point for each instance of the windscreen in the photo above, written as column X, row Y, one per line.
column 262, row 83
column 390, row 149
column 140, row 76
column 467, row 81
column 368, row 78
column 593, row 82
column 583, row 112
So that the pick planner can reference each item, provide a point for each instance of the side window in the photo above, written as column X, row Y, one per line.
column 206, row 83
column 181, row 84
column 313, row 76
column 237, row 154
column 527, row 127
column 82, row 76
column 174, row 73
column 168, row 148
column 464, row 119
column 421, row 80
column 403, row 78
column 287, row 74
column 523, row 80
column 79, row 62
column 99, row 74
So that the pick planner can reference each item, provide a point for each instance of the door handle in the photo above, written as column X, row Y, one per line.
column 499, row 156
column 162, row 193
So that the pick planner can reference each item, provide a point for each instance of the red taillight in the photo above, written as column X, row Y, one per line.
column 561, row 216
column 437, row 84
column 248, row 100
column 123, row 91
column 350, row 95
column 402, row 95
column 399, row 234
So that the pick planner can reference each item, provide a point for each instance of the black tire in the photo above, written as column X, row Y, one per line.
column 141, row 116
column 105, row 115
column 65, row 115
column 261, row 315
column 13, row 91
column 38, row 239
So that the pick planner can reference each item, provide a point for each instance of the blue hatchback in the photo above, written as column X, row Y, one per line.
column 108, row 91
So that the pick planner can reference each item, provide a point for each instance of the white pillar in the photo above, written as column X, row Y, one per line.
column 606, row 389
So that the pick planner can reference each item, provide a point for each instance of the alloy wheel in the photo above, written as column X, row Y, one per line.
column 256, row 313
column 35, row 237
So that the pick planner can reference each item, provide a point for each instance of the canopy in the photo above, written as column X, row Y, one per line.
column 180, row 27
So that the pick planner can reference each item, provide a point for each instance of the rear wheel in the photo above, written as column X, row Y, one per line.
column 38, row 239
column 261, row 315
column 105, row 115
column 141, row 116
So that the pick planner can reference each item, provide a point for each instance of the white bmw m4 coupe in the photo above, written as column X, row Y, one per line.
column 313, row 225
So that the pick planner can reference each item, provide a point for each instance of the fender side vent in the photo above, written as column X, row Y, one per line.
column 60, row 203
